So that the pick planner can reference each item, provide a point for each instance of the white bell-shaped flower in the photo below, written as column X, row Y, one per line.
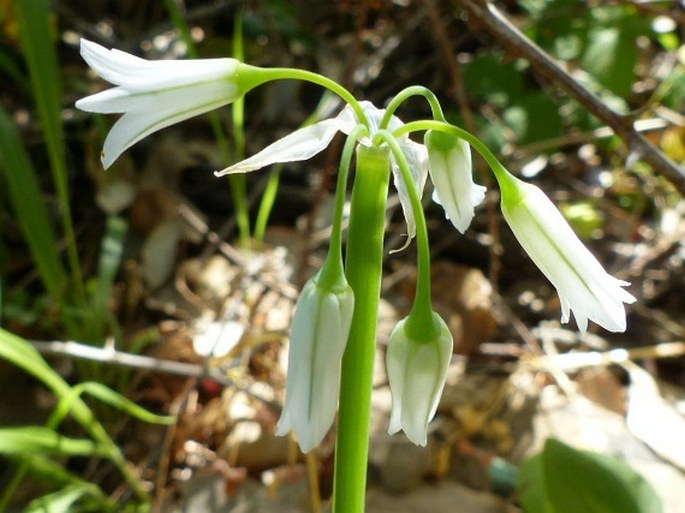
column 583, row 285
column 416, row 374
column 319, row 332
column 449, row 166
column 154, row 94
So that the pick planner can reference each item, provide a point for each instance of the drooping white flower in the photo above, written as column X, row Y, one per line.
column 154, row 94
column 583, row 285
column 319, row 332
column 449, row 166
column 416, row 374
column 306, row 142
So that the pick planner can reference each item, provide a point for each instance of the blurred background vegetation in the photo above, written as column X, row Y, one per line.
column 143, row 311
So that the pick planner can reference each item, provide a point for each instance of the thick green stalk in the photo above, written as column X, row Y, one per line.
column 363, row 269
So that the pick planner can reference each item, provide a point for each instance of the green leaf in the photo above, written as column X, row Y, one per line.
column 42, row 468
column 584, row 217
column 111, row 249
column 37, row 43
column 531, row 485
column 487, row 78
column 16, row 441
column 20, row 353
column 566, row 480
column 26, row 198
column 62, row 500
column 534, row 117
column 116, row 400
column 610, row 56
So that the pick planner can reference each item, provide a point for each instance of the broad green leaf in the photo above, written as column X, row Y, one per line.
column 488, row 78
column 573, row 481
column 533, row 117
column 584, row 217
column 16, row 441
column 531, row 486
column 610, row 56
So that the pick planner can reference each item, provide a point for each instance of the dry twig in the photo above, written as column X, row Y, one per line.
column 623, row 126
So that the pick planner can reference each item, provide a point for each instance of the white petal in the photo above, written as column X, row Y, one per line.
column 417, row 158
column 301, row 144
column 298, row 390
column 109, row 101
column 395, row 366
column 138, row 74
column 153, row 112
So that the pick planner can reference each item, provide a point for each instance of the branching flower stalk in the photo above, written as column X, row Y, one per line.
column 333, row 335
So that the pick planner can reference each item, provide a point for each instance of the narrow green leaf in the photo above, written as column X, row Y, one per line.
column 62, row 500
column 41, row 57
column 21, row 354
column 26, row 198
column 42, row 468
column 16, row 441
column 116, row 400
column 111, row 249
column 9, row 67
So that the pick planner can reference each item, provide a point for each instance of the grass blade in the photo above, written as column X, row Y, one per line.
column 32, row 215
column 111, row 398
column 20, row 353
column 39, row 51
column 17, row 441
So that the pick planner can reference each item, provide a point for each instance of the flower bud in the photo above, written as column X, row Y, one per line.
column 320, row 328
column 449, row 165
column 416, row 373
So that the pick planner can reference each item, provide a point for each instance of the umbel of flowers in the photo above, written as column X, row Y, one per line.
column 334, row 326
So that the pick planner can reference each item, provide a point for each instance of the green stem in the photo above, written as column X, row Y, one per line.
column 237, row 183
column 255, row 76
column 333, row 268
column 497, row 168
column 363, row 269
column 408, row 93
column 420, row 318
column 266, row 204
